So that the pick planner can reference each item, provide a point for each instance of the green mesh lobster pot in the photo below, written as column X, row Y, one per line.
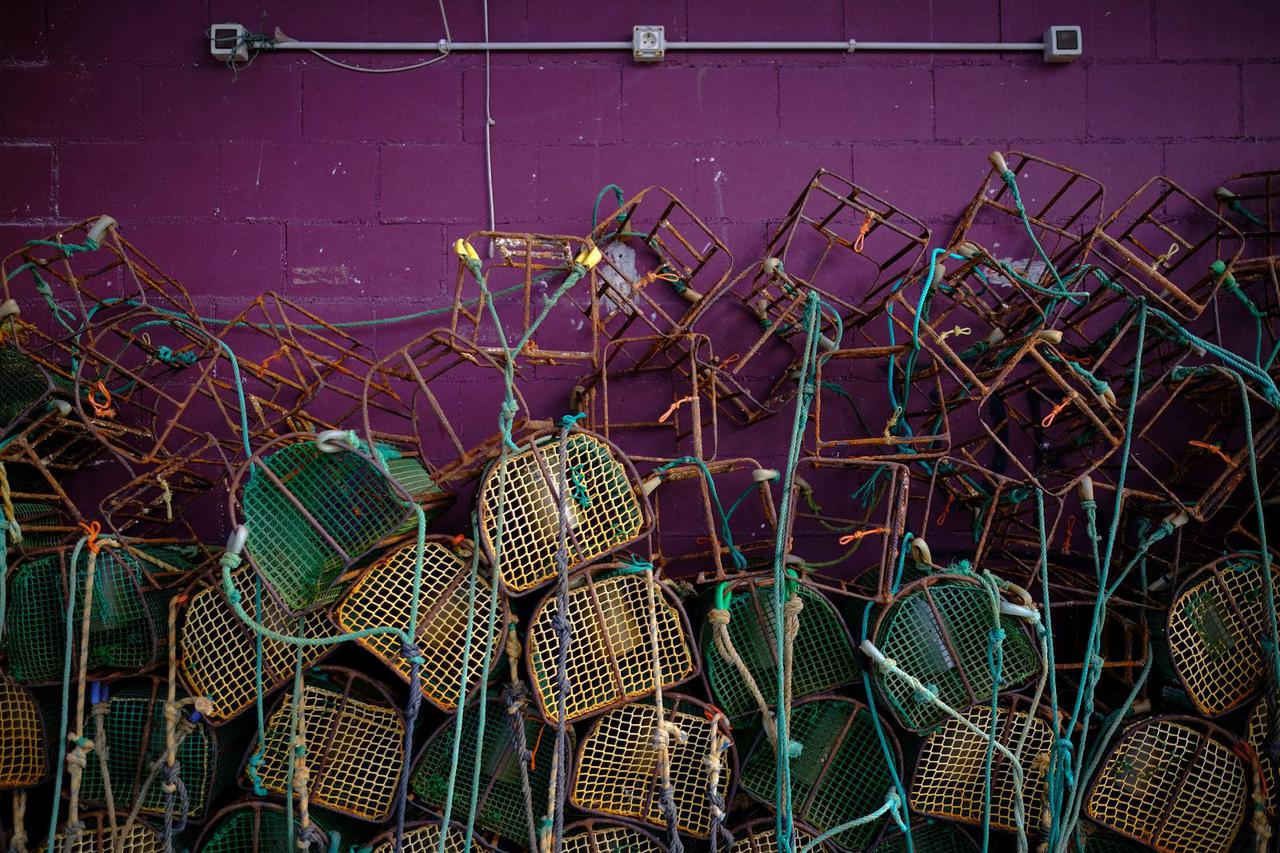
column 314, row 505
column 610, row 657
column 823, row 661
column 761, row 836
column 938, row 629
column 1214, row 626
column 24, row 741
column 382, row 598
column 25, row 387
column 44, row 526
column 354, row 741
column 605, row 508
column 1177, row 784
column 950, row 774
column 608, row 836
column 1264, row 729
column 97, row 837
column 840, row 773
column 1094, row 840
column 424, row 837
column 127, row 623
column 617, row 772
column 133, row 733
column 500, row 806
column 261, row 826
column 927, row 836
column 217, row 650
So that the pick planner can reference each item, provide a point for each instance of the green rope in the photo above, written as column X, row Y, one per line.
column 1236, row 206
column 595, row 208
column 892, row 805
column 739, row 559
column 63, row 714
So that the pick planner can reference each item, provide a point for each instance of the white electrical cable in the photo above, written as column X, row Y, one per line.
column 488, row 127
column 445, row 49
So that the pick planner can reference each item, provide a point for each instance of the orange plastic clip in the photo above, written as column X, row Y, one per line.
column 100, row 398
column 91, row 530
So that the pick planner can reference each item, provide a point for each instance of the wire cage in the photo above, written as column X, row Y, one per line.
column 614, row 629
column 500, row 803
column 172, row 502
column 314, row 505
column 97, row 837
column 950, row 778
column 928, row 836
column 823, row 656
column 132, row 737
column 605, row 508
column 424, row 837
column 382, row 597
column 45, row 526
column 1174, row 783
column 607, row 836
column 760, row 836
column 263, row 826
column 131, row 591
column 937, row 629
column 217, row 650
column 1250, row 201
column 617, row 772
column 1263, row 734
column 24, row 741
column 1213, row 627
column 839, row 774
column 354, row 734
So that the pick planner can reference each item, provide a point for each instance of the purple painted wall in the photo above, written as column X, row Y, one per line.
column 341, row 189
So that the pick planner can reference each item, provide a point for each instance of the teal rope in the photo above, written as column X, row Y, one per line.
column 889, row 759
column 738, row 558
column 1236, row 206
column 68, row 644
column 494, row 605
column 595, row 208
column 255, row 761
column 892, row 805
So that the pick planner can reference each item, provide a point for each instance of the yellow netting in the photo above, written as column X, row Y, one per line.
column 617, row 770
column 382, row 596
column 217, row 651
column 950, row 773
column 425, row 838
column 604, row 510
column 23, row 761
column 597, row 836
column 97, row 838
column 1170, row 784
column 355, row 751
column 610, row 658
column 1214, row 624
column 1258, row 732
column 761, row 837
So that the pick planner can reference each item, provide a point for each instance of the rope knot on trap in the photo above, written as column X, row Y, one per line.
column 412, row 653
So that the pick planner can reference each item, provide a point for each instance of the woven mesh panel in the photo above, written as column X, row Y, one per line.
column 24, row 384
column 823, row 661
column 928, row 836
column 1214, row 624
column 355, row 752
column 351, row 503
column 500, row 804
column 217, row 653
column 23, row 757
column 98, row 838
column 1168, row 784
column 761, row 837
column 43, row 525
column 950, row 773
column 603, row 509
column 123, row 626
column 617, row 770
column 425, row 838
column 1258, row 734
column 604, row 837
column 382, row 597
column 939, row 632
column 256, row 826
column 610, row 656
column 135, row 742
column 839, row 775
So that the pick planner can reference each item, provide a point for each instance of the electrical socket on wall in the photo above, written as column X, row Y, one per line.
column 228, row 42
column 1063, row 44
column 648, row 43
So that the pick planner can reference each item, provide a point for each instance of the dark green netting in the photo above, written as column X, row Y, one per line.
column 126, row 627
column 824, row 658
column 839, row 775
column 24, row 385
column 352, row 506
column 43, row 525
column 261, row 826
column 940, row 632
column 928, row 836
column 500, row 805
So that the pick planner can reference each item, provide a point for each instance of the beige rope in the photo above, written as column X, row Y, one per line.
column 77, row 759
column 790, row 630
column 166, row 495
column 719, row 620
column 665, row 729
column 15, row 529
column 99, row 712
column 19, row 840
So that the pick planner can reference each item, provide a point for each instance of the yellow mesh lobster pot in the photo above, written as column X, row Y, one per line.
column 1174, row 783
column 1263, row 723
column 217, row 651
column 96, row 837
column 1214, row 625
column 606, row 836
column 354, row 738
column 604, row 506
column 939, row 630
column 760, row 836
column 24, row 759
column 424, row 837
column 611, row 656
column 951, row 771
column 618, row 775
column 382, row 598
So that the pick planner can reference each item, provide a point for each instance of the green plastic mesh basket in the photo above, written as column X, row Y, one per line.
column 824, row 658
column 136, row 837
column 43, row 525
column 840, row 773
column 311, row 515
column 24, row 387
column 127, row 623
column 928, row 836
column 134, row 728
column 938, row 629
column 261, row 826
column 500, row 805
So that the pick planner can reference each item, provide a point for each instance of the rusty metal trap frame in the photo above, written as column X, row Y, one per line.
column 1251, row 202
column 1174, row 783
column 951, row 778
column 840, row 772
column 617, row 772
column 609, row 836
column 605, row 508
column 500, row 803
column 760, row 836
column 618, row 626
column 424, row 837
column 352, row 734
column 740, row 653
column 24, row 740
column 381, row 597
column 938, row 630
column 262, row 825
column 97, row 837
